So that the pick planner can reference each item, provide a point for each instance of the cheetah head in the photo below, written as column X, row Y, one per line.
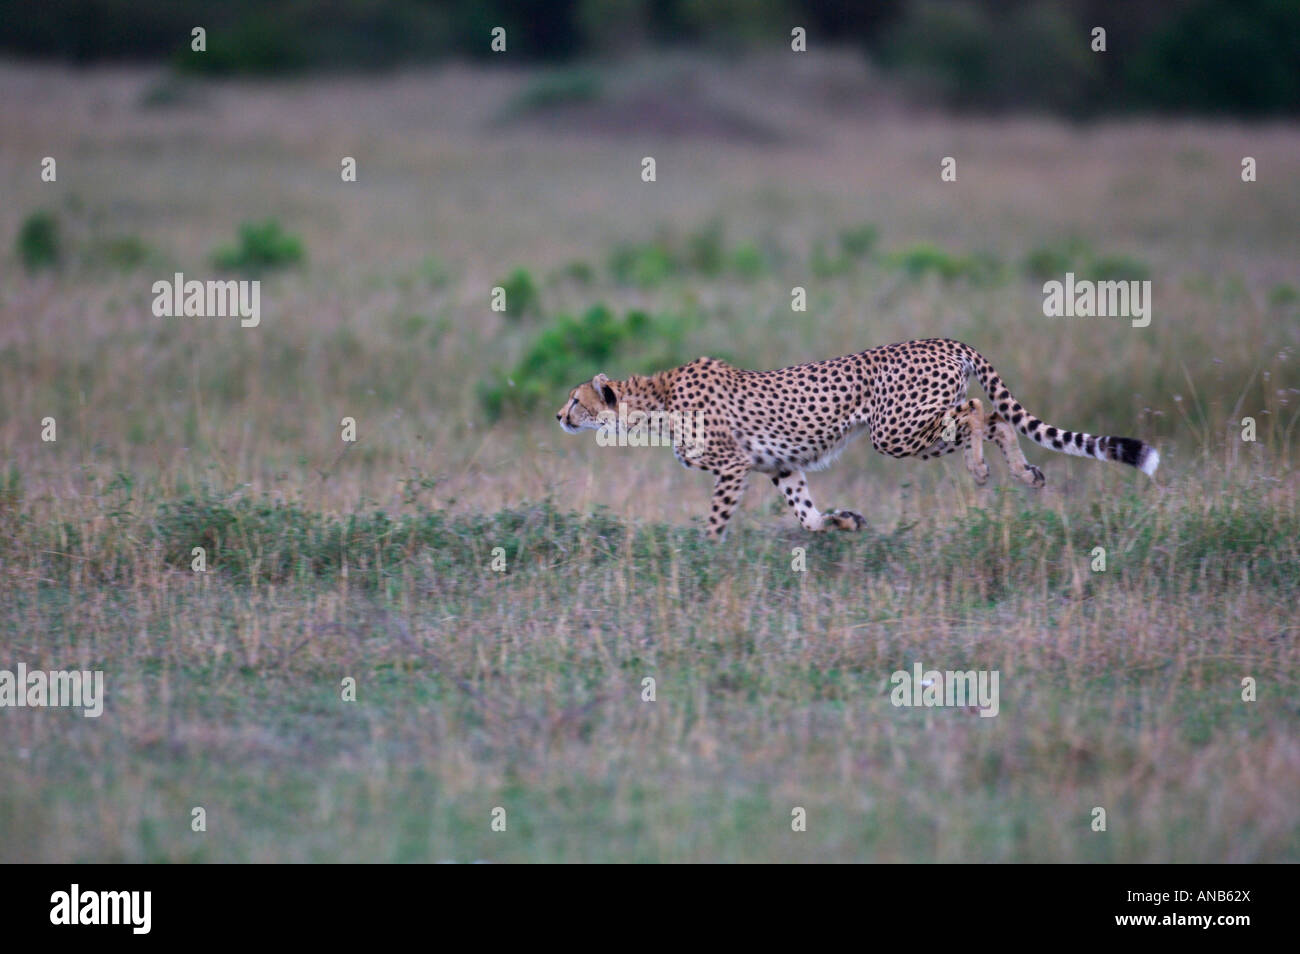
column 585, row 404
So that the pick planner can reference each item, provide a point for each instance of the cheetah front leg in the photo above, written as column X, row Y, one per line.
column 794, row 486
column 728, row 487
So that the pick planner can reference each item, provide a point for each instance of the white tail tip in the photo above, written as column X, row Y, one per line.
column 1150, row 461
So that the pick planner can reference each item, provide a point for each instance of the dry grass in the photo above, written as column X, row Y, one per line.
column 523, row 690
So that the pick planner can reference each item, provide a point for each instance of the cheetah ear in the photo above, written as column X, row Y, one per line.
column 601, row 383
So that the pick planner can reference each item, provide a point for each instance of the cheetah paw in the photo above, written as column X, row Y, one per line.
column 1033, row 476
column 845, row 519
column 980, row 473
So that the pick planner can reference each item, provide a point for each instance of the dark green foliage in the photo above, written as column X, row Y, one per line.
column 38, row 243
column 1222, row 56
column 1205, row 56
column 1211, row 56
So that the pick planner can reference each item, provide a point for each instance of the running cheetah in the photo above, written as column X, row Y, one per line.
column 910, row 397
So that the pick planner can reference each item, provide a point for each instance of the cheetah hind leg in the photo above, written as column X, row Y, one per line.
column 962, row 427
column 1003, row 434
column 971, row 417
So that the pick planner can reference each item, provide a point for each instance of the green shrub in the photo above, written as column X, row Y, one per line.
column 262, row 246
column 39, row 244
column 569, row 350
column 1074, row 255
column 521, row 294
column 922, row 259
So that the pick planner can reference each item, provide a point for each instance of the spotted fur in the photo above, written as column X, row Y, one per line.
column 910, row 398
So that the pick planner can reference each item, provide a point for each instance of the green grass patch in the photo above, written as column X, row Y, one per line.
column 261, row 246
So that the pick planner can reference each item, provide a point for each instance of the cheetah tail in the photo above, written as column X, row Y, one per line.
column 1126, row 450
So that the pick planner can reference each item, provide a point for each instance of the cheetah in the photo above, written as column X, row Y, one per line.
column 910, row 397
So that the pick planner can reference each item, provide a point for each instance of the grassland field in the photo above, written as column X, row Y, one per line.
column 523, row 689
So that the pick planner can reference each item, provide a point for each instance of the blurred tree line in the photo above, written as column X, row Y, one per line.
column 1206, row 56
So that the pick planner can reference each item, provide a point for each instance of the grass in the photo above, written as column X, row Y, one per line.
column 522, row 689
column 555, row 89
